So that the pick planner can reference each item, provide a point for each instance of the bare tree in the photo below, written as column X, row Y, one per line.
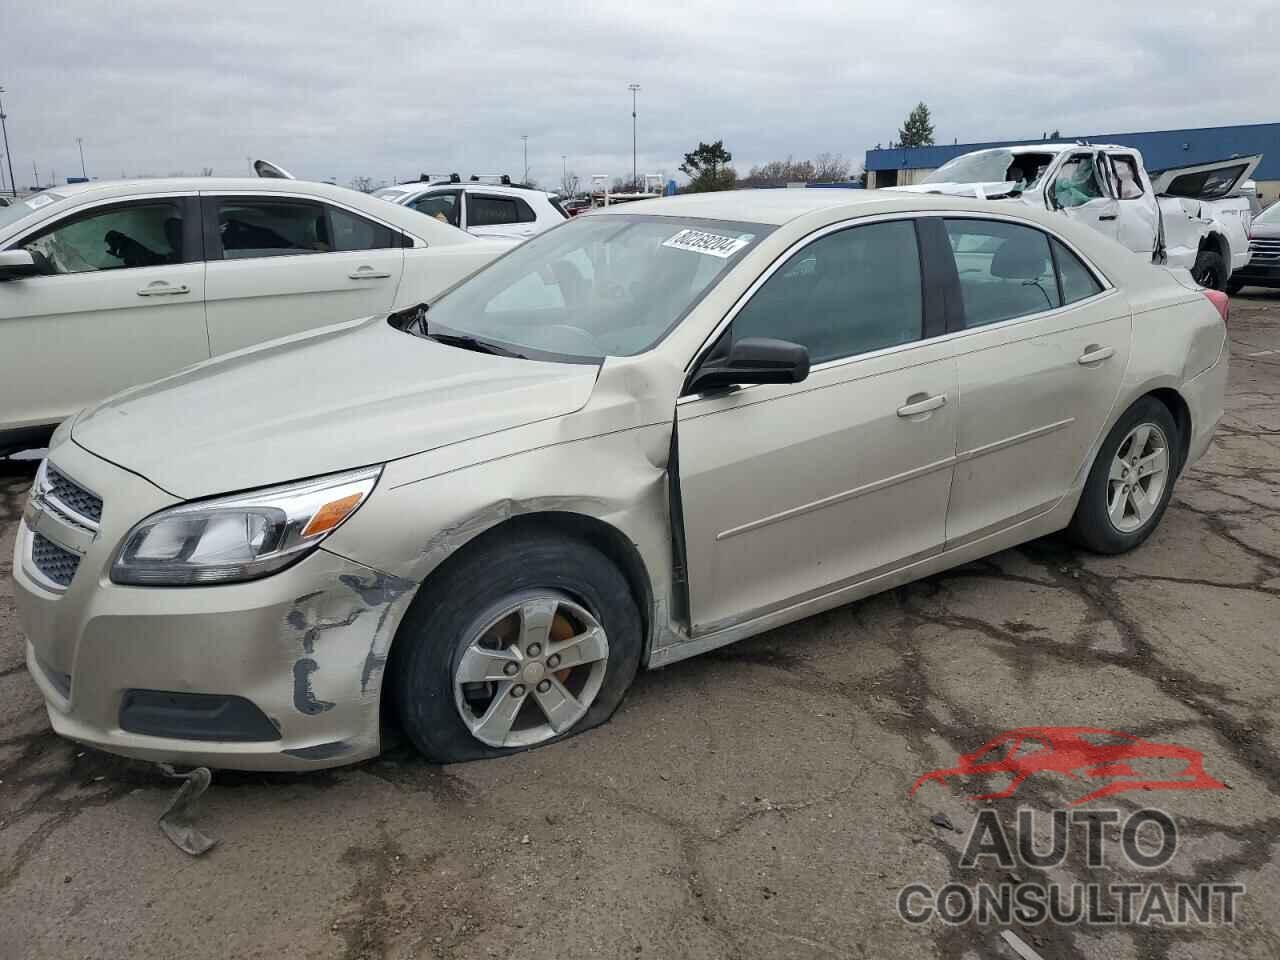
column 569, row 184
column 830, row 168
column 363, row 184
column 206, row 171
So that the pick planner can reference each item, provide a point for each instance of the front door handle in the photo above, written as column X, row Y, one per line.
column 368, row 273
column 1094, row 354
column 161, row 289
column 1108, row 216
column 919, row 403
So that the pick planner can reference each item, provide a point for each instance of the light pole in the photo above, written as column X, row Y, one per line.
column 634, row 88
column 80, row 143
column 564, row 170
column 13, row 184
column 524, row 137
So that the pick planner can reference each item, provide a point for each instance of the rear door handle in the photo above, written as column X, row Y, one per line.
column 162, row 289
column 1108, row 216
column 1094, row 354
column 919, row 403
column 368, row 273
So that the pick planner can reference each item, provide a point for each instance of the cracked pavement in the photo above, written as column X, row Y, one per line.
column 753, row 802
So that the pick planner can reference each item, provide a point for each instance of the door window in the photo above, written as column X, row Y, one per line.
column 1005, row 270
column 351, row 232
column 145, row 234
column 1077, row 281
column 272, row 228
column 441, row 206
column 1077, row 182
column 1130, row 185
column 488, row 211
column 846, row 293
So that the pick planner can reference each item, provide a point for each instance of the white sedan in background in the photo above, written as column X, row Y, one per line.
column 108, row 284
column 482, row 209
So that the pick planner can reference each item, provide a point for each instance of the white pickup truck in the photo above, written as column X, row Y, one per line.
column 1191, row 217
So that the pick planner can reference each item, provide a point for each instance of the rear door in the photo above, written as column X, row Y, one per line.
column 442, row 205
column 1138, row 225
column 494, row 215
column 793, row 492
column 121, row 303
column 279, row 265
column 1041, row 348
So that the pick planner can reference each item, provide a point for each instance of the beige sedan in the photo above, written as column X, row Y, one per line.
column 642, row 435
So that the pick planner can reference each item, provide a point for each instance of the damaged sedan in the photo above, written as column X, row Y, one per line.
column 642, row 435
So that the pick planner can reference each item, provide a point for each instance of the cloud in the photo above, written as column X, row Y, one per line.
column 390, row 89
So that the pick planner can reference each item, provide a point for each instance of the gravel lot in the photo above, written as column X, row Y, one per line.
column 750, row 803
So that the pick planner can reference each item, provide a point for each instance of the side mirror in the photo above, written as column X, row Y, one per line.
column 753, row 360
column 17, row 263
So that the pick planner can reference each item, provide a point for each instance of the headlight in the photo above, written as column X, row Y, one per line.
column 241, row 537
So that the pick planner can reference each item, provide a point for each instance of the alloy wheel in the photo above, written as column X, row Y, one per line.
column 531, row 670
column 1139, row 473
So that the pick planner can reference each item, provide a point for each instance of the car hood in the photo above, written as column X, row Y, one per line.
column 343, row 396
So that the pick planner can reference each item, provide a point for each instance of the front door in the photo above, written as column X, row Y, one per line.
column 121, row 302
column 1041, row 352
column 280, row 265
column 793, row 491
column 1079, row 190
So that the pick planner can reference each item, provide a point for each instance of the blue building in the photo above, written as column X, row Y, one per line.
column 1160, row 149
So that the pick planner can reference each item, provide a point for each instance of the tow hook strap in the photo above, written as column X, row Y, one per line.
column 176, row 819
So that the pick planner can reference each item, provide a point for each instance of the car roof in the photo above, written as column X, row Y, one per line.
column 781, row 206
column 470, row 185
column 405, row 218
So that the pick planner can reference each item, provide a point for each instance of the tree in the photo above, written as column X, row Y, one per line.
column 918, row 130
column 708, row 168
column 569, row 184
column 830, row 168
column 363, row 184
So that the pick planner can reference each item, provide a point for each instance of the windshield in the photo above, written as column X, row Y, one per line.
column 18, row 209
column 1269, row 215
column 596, row 286
column 993, row 166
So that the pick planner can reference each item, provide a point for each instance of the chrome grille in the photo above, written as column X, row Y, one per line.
column 57, row 565
column 66, row 491
column 1264, row 250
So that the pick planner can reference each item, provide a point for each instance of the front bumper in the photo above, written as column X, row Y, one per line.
column 305, row 647
column 1258, row 275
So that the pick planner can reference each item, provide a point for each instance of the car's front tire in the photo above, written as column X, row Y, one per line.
column 1210, row 270
column 1131, row 480
column 522, row 642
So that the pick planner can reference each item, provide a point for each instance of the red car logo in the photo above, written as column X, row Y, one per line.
column 1081, row 753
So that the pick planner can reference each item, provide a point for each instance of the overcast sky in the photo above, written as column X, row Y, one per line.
column 390, row 89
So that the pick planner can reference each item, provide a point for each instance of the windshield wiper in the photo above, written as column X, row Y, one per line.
column 414, row 320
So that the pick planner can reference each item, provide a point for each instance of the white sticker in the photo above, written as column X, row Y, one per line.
column 712, row 244
column 35, row 203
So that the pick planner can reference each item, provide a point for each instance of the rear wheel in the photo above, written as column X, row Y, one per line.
column 520, row 644
column 1210, row 270
column 1131, row 480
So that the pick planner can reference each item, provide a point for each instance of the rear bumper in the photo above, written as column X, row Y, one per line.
column 1204, row 394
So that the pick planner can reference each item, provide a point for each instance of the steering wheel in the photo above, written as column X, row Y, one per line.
column 581, row 337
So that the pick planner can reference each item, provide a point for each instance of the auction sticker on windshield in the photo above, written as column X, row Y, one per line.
column 712, row 244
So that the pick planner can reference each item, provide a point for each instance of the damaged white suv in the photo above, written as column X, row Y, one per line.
column 637, row 437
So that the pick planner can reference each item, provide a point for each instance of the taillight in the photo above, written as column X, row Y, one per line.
column 1219, row 300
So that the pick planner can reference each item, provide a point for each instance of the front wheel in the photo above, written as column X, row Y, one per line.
column 1131, row 480
column 1234, row 286
column 521, row 643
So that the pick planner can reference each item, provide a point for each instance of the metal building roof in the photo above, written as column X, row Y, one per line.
column 1160, row 149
